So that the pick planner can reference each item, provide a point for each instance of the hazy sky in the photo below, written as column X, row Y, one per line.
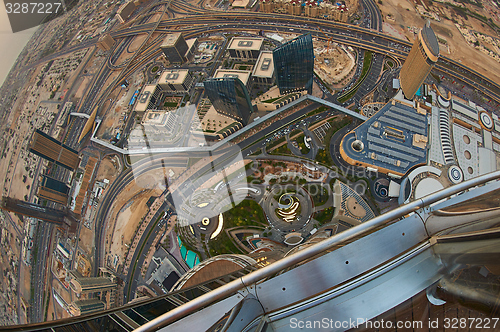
column 12, row 43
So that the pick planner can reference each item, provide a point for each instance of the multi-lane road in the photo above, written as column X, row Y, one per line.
column 203, row 21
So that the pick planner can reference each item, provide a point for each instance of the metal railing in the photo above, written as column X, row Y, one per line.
column 309, row 252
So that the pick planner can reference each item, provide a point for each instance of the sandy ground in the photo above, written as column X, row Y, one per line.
column 86, row 241
column 405, row 15
column 128, row 209
column 83, row 83
column 113, row 113
column 72, row 78
column 109, row 168
column 332, row 64
column 25, row 278
column 136, row 43
column 127, row 220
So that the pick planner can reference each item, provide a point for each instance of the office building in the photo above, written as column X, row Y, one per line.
column 174, row 47
column 147, row 99
column 245, row 48
column 159, row 122
column 83, row 307
column 294, row 65
column 106, row 42
column 243, row 75
column 54, row 151
column 418, row 64
column 85, row 285
column 125, row 11
column 230, row 97
column 176, row 80
column 53, row 190
column 192, row 47
column 60, row 217
column 263, row 71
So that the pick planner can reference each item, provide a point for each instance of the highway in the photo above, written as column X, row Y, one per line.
column 356, row 37
column 199, row 22
column 341, row 33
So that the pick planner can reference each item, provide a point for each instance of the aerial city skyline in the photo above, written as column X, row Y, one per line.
column 253, row 165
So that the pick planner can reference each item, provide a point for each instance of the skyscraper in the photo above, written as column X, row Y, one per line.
column 294, row 64
column 229, row 96
column 85, row 285
column 53, row 190
column 422, row 57
column 53, row 150
column 174, row 47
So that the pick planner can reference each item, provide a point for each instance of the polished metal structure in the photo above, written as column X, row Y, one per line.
column 350, row 277
column 381, row 256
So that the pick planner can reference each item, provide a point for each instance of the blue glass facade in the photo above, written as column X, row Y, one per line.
column 294, row 65
column 230, row 97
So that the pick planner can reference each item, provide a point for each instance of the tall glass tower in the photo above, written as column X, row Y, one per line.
column 229, row 96
column 294, row 64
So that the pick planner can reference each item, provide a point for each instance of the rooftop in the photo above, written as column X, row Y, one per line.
column 175, row 76
column 171, row 39
column 430, row 39
column 243, row 75
column 386, row 140
column 264, row 67
column 144, row 97
column 245, row 43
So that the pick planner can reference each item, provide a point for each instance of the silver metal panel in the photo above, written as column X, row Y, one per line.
column 471, row 193
column 205, row 318
column 329, row 270
column 463, row 223
column 371, row 297
column 250, row 310
column 436, row 222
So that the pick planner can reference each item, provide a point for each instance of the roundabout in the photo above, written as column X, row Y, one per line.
column 288, row 208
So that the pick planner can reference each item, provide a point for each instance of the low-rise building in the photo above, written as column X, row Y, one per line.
column 263, row 71
column 245, row 48
column 147, row 99
column 176, row 80
column 243, row 75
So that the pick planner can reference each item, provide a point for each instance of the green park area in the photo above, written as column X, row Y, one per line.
column 323, row 155
column 247, row 213
column 367, row 63
column 318, row 193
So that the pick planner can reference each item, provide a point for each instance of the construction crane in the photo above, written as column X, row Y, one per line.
column 329, row 40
